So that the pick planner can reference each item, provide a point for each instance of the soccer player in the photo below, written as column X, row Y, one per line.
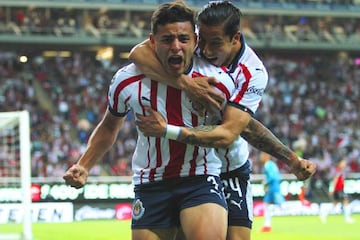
column 174, row 182
column 338, row 195
column 222, row 44
column 273, row 194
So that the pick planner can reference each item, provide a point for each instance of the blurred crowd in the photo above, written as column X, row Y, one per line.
column 311, row 103
column 70, row 22
column 120, row 23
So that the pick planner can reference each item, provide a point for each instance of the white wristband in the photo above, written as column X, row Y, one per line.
column 172, row 132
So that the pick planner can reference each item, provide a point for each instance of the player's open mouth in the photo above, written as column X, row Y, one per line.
column 175, row 61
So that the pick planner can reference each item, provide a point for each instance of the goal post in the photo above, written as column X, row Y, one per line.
column 15, row 164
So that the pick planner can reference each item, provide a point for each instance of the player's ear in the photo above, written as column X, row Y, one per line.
column 152, row 39
column 236, row 37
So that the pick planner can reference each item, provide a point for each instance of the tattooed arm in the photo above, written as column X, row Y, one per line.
column 218, row 136
column 235, row 122
column 263, row 139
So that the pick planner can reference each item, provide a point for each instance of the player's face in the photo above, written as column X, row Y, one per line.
column 216, row 47
column 174, row 45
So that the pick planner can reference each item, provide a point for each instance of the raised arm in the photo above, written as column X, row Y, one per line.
column 198, row 89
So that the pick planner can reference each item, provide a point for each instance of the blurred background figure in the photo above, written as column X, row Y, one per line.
column 338, row 195
column 273, row 195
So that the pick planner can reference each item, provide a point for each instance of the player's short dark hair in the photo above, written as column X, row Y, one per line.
column 172, row 12
column 217, row 13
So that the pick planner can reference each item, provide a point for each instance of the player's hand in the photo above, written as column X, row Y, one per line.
column 76, row 176
column 303, row 169
column 153, row 124
column 201, row 92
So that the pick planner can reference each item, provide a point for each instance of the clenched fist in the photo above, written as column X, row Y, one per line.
column 76, row 176
column 303, row 169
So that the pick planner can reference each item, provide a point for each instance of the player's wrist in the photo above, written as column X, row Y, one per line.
column 185, row 82
column 172, row 132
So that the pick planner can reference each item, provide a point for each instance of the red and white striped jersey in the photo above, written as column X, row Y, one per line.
column 252, row 77
column 154, row 158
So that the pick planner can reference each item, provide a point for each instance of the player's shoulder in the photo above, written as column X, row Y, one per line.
column 129, row 71
column 248, row 64
column 205, row 68
column 247, row 58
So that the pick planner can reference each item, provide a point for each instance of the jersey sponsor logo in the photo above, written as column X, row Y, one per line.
column 258, row 91
column 137, row 210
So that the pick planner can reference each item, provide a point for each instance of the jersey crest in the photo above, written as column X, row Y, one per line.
column 138, row 209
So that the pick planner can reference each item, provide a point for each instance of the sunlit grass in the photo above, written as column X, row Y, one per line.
column 284, row 228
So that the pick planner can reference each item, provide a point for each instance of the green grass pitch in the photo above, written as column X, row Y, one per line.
column 284, row 228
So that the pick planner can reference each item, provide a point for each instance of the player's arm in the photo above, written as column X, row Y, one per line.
column 198, row 89
column 218, row 136
column 144, row 57
column 235, row 122
column 263, row 139
column 100, row 141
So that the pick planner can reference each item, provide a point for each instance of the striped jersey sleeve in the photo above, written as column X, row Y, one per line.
column 252, row 78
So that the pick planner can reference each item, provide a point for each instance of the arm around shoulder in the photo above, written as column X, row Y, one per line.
column 144, row 57
column 219, row 136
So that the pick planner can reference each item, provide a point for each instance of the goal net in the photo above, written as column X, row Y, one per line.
column 15, row 172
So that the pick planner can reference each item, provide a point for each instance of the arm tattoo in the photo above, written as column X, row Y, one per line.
column 263, row 139
column 194, row 140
